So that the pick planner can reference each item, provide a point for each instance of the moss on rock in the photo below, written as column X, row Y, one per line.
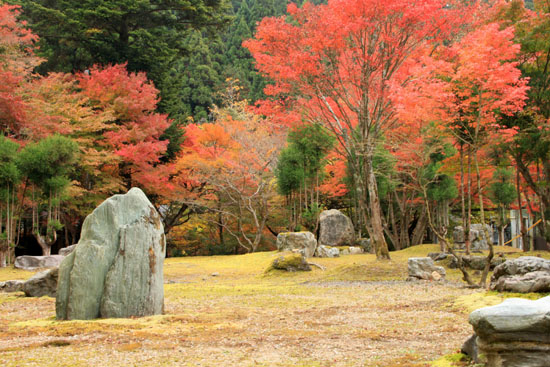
column 290, row 261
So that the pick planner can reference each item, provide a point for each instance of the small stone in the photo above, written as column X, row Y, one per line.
column 215, row 274
column 423, row 268
column 436, row 276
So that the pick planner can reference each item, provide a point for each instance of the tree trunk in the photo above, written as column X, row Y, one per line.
column 469, row 214
column 524, row 242
column 45, row 245
column 377, row 235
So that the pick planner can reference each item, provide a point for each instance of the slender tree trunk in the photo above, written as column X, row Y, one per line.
column 377, row 236
column 525, row 243
column 469, row 214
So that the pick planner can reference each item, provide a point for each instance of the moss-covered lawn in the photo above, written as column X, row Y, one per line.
column 226, row 311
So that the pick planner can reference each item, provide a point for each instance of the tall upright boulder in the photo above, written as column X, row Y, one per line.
column 335, row 229
column 116, row 269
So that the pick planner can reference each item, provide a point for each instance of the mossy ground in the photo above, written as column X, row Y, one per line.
column 226, row 311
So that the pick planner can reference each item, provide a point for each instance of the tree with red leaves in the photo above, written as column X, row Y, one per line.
column 336, row 63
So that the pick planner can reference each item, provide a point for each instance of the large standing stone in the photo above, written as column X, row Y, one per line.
column 37, row 262
column 515, row 333
column 116, row 268
column 42, row 284
column 424, row 268
column 335, row 229
column 303, row 242
column 525, row 274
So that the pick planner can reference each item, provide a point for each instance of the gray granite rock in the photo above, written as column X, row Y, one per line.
column 37, row 262
column 304, row 242
column 335, row 229
column 515, row 333
column 42, row 284
column 327, row 251
column 116, row 270
column 423, row 268
column 525, row 274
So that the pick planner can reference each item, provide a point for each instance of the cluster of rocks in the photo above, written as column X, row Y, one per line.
column 479, row 236
column 515, row 333
column 469, row 261
column 424, row 268
column 336, row 238
column 116, row 269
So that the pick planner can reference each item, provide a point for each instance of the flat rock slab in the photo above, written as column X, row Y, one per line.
column 37, row 262
column 116, row 269
column 525, row 274
column 515, row 333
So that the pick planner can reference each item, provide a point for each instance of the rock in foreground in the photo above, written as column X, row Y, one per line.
column 515, row 333
column 525, row 274
column 303, row 242
column 116, row 270
column 335, row 229
column 425, row 269
column 37, row 262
